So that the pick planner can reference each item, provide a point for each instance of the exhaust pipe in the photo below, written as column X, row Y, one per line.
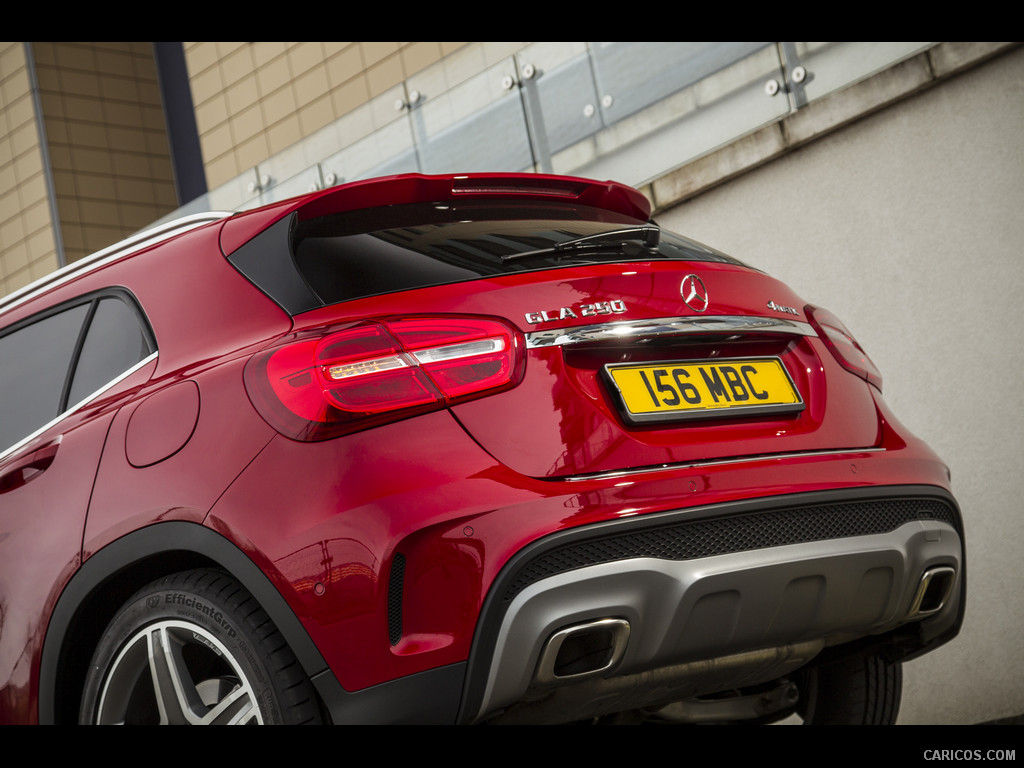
column 582, row 650
column 932, row 592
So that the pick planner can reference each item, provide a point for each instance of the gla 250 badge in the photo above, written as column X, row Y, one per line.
column 613, row 307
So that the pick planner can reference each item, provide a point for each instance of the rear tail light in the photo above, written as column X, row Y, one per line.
column 842, row 345
column 337, row 381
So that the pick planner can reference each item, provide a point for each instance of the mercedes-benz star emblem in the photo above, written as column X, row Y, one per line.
column 694, row 294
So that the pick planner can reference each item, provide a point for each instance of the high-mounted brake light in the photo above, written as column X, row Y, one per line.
column 843, row 346
column 334, row 382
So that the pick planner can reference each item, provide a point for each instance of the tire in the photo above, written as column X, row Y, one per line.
column 195, row 648
column 859, row 690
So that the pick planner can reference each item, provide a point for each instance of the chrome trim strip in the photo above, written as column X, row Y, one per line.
column 666, row 326
column 26, row 440
column 616, row 473
column 110, row 253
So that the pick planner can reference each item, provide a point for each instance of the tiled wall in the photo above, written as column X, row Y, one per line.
column 253, row 100
column 27, row 247
column 107, row 140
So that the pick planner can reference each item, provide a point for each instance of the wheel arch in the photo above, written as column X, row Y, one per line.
column 107, row 579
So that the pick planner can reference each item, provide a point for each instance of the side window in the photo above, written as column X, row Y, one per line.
column 114, row 343
column 34, row 362
column 52, row 364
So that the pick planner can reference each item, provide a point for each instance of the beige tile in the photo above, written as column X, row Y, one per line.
column 303, row 57
column 284, row 133
column 149, row 93
column 217, row 142
column 74, row 56
column 419, row 56
column 144, row 65
column 208, row 84
column 114, row 62
column 37, row 216
column 15, row 258
column 332, row 49
column 129, row 164
column 41, row 244
column 221, row 170
column 252, row 152
column 12, row 58
column 27, row 167
column 156, row 145
column 199, row 57
column 166, row 195
column 44, row 53
column 24, row 139
column 119, row 88
column 273, row 76
column 48, row 79
column 237, row 64
column 52, row 105
column 90, row 135
column 89, row 161
column 384, row 75
column 345, row 65
column 120, row 113
column 447, row 49
column 12, row 231
column 99, row 186
column 80, row 83
column 242, row 94
column 315, row 116
column 263, row 54
column 375, row 52
column 57, row 132
column 278, row 105
column 213, row 113
column 17, row 113
column 64, row 183
column 351, row 95
column 127, row 139
column 42, row 266
column 311, row 86
column 246, row 124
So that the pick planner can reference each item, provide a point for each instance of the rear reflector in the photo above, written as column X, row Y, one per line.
column 336, row 381
column 842, row 345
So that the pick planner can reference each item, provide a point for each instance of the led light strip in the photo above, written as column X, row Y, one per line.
column 420, row 357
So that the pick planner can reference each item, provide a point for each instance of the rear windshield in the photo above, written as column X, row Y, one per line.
column 383, row 250
column 387, row 249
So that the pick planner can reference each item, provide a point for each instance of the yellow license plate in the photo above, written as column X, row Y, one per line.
column 670, row 391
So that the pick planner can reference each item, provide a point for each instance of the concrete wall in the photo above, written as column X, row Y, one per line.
column 908, row 225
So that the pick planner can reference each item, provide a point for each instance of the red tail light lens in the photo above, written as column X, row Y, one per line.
column 336, row 382
column 843, row 346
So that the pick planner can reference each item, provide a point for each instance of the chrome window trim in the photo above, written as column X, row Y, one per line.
column 108, row 254
column 666, row 326
column 614, row 474
column 85, row 401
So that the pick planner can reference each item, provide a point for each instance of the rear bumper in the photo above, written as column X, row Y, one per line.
column 761, row 586
column 424, row 566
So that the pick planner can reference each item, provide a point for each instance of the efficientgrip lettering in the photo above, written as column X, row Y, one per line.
column 188, row 601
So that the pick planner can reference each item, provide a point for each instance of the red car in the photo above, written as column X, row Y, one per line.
column 453, row 449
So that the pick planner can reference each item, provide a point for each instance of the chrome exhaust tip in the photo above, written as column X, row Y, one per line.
column 932, row 592
column 582, row 650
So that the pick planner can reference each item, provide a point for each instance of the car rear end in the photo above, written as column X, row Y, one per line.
column 539, row 460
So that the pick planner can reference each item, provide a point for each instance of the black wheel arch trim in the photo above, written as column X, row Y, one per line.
column 162, row 539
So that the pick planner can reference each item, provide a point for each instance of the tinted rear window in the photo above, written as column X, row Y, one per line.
column 373, row 251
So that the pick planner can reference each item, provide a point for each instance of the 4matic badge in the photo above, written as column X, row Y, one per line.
column 613, row 307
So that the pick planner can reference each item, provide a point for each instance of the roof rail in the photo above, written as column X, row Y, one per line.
column 134, row 243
